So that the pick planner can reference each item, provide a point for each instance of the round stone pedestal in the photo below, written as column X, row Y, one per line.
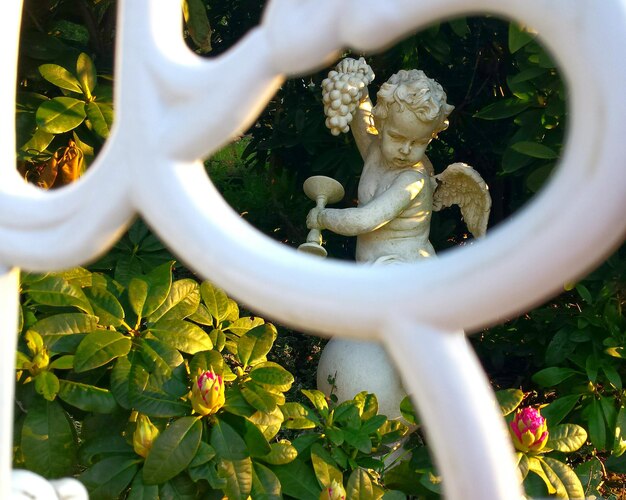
column 358, row 366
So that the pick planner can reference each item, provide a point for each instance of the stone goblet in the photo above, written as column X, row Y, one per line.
column 322, row 190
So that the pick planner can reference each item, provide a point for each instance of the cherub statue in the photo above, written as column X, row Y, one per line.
column 398, row 189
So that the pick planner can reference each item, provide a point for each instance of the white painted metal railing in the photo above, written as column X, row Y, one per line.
column 173, row 108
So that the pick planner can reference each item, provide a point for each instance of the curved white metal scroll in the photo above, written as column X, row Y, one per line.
column 173, row 108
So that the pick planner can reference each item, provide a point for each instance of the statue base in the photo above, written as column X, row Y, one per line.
column 358, row 366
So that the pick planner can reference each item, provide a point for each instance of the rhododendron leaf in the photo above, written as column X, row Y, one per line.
column 252, row 436
column 228, row 444
column 360, row 486
column 566, row 438
column 509, row 400
column 324, row 466
column 182, row 335
column 98, row 348
column 563, row 479
column 265, row 484
column 47, row 384
column 215, row 300
column 87, row 397
column 173, row 450
column 280, row 454
column 253, row 346
column 182, row 301
column 47, row 440
column 238, row 475
column 108, row 309
column 109, row 477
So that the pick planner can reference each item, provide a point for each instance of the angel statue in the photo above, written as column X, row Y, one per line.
column 397, row 192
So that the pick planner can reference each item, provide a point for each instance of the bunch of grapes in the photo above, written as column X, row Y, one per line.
column 343, row 90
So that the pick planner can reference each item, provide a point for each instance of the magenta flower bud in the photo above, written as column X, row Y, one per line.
column 529, row 430
column 207, row 393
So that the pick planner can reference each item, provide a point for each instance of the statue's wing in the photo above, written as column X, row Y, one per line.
column 461, row 185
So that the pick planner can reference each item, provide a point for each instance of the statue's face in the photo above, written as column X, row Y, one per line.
column 404, row 138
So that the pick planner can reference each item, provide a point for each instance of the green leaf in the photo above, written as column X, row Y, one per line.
column 207, row 360
column 216, row 301
column 151, row 393
column 59, row 76
column 141, row 491
column 197, row 24
column 559, row 408
column 201, row 316
column 281, row 453
column 253, row 346
column 62, row 363
column 460, row 27
column 255, row 441
column 318, row 398
column 173, row 450
column 566, row 437
column 324, row 466
column 242, row 325
column 597, row 427
column 358, row 439
column 108, row 309
column 367, row 404
column 159, row 357
column 360, row 486
column 297, row 416
column 272, row 374
column 236, row 404
column 564, row 479
column 504, row 108
column 619, row 444
column 552, row 376
column 101, row 118
column 57, row 292
column 60, row 114
column 259, row 398
column 265, row 484
column 537, row 466
column 509, row 400
column 182, row 335
column 238, row 475
column 47, row 440
column 47, row 384
column 182, row 301
column 372, row 424
column 227, row 443
column 159, row 281
column 407, row 410
column 535, row 150
column 87, row 397
column 108, row 478
column 528, row 74
column 522, row 464
column 518, row 37
column 86, row 72
column 137, row 295
column 98, row 348
column 298, row 480
column 180, row 487
column 612, row 375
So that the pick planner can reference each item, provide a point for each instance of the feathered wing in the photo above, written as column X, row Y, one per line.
column 461, row 185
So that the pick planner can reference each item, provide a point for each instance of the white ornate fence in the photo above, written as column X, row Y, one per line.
column 173, row 108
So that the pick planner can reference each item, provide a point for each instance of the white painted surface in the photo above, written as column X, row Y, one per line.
column 170, row 111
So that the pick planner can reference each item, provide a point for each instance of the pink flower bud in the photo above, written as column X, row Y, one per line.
column 145, row 434
column 207, row 393
column 529, row 430
column 334, row 492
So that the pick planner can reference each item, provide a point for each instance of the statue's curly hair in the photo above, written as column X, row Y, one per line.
column 415, row 91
